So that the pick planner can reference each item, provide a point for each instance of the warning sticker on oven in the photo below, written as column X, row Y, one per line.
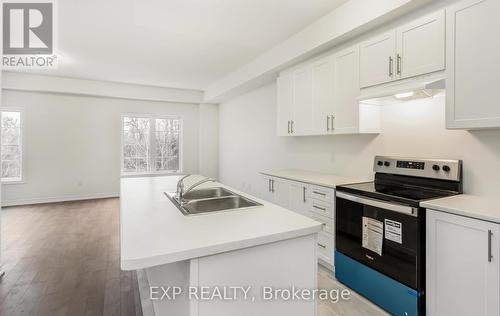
column 373, row 235
column 393, row 231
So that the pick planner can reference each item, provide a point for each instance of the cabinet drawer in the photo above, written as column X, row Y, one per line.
column 327, row 222
column 321, row 193
column 325, row 247
column 321, row 208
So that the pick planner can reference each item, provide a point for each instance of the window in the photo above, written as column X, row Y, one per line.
column 151, row 145
column 11, row 146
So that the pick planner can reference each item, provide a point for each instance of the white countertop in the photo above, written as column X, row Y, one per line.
column 483, row 208
column 154, row 232
column 312, row 177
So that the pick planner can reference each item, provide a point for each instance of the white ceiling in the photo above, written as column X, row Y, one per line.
column 174, row 43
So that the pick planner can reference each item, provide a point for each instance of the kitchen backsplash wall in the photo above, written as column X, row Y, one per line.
column 248, row 144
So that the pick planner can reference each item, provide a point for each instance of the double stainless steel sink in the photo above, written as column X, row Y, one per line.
column 210, row 200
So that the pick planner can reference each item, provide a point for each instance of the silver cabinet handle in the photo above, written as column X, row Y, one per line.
column 288, row 127
column 328, row 123
column 322, row 246
column 398, row 64
column 332, row 120
column 319, row 193
column 390, row 66
column 490, row 256
column 319, row 208
column 291, row 127
column 272, row 186
column 304, row 193
column 268, row 185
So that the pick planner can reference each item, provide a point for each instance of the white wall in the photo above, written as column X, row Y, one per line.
column 209, row 140
column 72, row 143
column 248, row 144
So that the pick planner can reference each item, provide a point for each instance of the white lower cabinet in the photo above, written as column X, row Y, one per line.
column 314, row 201
column 462, row 266
column 325, row 248
column 276, row 190
column 298, row 200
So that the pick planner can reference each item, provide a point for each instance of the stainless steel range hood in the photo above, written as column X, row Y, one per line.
column 404, row 90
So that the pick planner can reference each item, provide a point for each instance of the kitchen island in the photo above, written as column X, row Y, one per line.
column 253, row 256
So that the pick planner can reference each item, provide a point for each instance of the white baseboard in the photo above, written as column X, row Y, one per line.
column 59, row 199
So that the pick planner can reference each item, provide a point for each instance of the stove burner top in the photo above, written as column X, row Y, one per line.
column 391, row 192
column 410, row 180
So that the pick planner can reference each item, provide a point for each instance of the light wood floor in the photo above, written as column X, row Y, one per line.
column 64, row 259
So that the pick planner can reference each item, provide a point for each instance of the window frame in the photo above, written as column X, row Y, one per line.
column 22, row 138
column 152, row 143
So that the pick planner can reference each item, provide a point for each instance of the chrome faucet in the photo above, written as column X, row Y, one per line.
column 180, row 186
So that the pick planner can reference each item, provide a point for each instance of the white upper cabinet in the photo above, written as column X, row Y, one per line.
column 302, row 102
column 473, row 67
column 462, row 268
column 377, row 57
column 345, row 118
column 421, row 46
column 416, row 48
column 320, row 97
column 323, row 95
column 285, row 105
column 323, row 98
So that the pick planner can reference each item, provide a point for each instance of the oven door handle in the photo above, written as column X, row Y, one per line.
column 408, row 210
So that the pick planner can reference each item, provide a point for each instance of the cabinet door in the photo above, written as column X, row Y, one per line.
column 322, row 94
column 280, row 191
column 265, row 189
column 421, row 46
column 462, row 278
column 325, row 247
column 377, row 59
column 285, row 104
column 473, row 70
column 298, row 197
column 302, row 102
column 346, row 91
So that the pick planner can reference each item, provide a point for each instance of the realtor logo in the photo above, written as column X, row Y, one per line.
column 27, row 28
column 28, row 35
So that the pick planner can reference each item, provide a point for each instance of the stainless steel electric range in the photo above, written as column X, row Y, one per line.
column 380, row 230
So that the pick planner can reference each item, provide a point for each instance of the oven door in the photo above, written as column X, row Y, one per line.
column 398, row 249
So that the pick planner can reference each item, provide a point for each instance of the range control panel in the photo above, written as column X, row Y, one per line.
column 410, row 164
column 427, row 168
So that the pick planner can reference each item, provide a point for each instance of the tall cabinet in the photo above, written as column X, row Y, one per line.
column 473, row 67
column 462, row 266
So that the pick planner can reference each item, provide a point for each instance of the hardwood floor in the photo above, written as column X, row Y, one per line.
column 64, row 259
